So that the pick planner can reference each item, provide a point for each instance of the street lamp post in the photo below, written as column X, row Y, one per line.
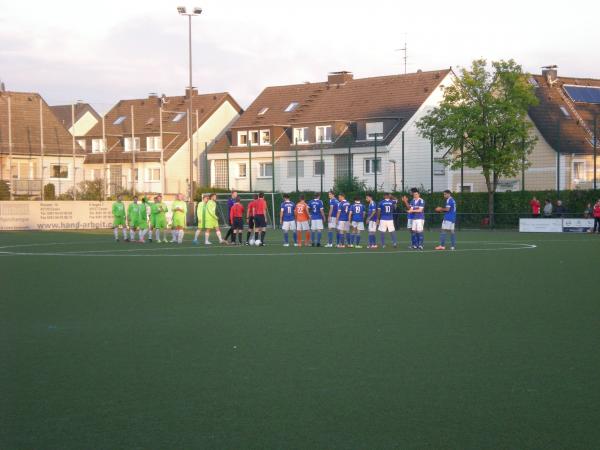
column 393, row 161
column 195, row 11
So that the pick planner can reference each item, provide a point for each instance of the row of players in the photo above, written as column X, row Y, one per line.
column 347, row 220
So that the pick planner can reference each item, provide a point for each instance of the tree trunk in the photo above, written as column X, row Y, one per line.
column 491, row 188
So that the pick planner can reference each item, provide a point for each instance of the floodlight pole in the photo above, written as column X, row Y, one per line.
column 595, row 151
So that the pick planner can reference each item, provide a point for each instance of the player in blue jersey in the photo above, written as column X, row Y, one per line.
column 357, row 222
column 449, row 222
column 343, row 225
column 417, row 209
column 385, row 215
column 331, row 218
column 372, row 221
column 287, row 220
column 317, row 218
column 409, row 216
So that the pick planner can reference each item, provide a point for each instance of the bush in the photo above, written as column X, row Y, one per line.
column 348, row 185
column 49, row 192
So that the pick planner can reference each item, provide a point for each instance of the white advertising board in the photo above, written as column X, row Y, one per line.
column 577, row 225
column 540, row 225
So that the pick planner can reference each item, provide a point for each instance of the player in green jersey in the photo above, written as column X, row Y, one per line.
column 158, row 217
column 119, row 218
column 207, row 219
column 133, row 218
column 143, row 223
column 179, row 208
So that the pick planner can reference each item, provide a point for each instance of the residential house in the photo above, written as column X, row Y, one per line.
column 79, row 118
column 563, row 120
column 142, row 145
column 35, row 148
column 308, row 135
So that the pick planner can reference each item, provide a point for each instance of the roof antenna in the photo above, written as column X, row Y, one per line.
column 405, row 50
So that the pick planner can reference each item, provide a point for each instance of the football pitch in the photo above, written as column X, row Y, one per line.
column 110, row 345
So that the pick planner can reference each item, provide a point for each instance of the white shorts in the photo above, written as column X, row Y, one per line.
column 288, row 225
column 316, row 225
column 418, row 225
column 343, row 225
column 386, row 225
column 409, row 224
column 447, row 225
column 332, row 224
column 360, row 226
column 372, row 226
column 302, row 226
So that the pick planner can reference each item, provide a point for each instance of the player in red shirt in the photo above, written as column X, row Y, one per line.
column 260, row 219
column 301, row 213
column 250, row 218
column 236, row 218
column 596, row 214
column 535, row 207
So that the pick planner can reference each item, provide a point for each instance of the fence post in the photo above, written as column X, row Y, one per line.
column 595, row 151
column 349, row 160
column 558, row 159
column 375, row 166
column 273, row 168
column 322, row 171
column 462, row 166
column 296, row 153
column 403, row 187
column 523, row 166
column 207, row 176
column 249, row 166
column 431, row 168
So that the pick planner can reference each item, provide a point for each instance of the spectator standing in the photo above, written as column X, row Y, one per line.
column 548, row 208
column 535, row 207
column 560, row 211
column 596, row 213
column 230, row 203
column 587, row 212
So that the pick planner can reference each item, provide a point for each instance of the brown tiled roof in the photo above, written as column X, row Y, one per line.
column 146, row 114
column 25, row 124
column 393, row 97
column 64, row 115
column 548, row 117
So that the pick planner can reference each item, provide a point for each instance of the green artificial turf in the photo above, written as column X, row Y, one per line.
column 156, row 346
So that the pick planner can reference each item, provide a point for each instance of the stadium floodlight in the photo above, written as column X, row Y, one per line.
column 197, row 10
column 181, row 9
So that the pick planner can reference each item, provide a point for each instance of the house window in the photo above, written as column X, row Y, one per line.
column 242, row 170
column 291, row 169
column 153, row 144
column 119, row 120
column 221, row 173
column 372, row 165
column 59, row 171
column 374, row 129
column 263, row 111
column 242, row 138
column 266, row 170
column 292, row 107
column 254, row 138
column 439, row 168
column 265, row 137
column 301, row 135
column 98, row 146
column 128, row 144
column 153, row 174
column 81, row 143
column 318, row 167
column 579, row 171
column 136, row 174
column 324, row 133
column 465, row 188
column 179, row 116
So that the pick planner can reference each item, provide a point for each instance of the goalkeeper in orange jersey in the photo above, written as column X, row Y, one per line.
column 301, row 214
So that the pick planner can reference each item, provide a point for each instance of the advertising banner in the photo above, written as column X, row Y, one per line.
column 540, row 225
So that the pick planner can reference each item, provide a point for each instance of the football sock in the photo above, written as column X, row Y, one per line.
column 174, row 235
column 295, row 236
column 351, row 239
column 240, row 237
column 180, row 236
column 124, row 233
column 453, row 239
column 230, row 234
column 382, row 236
column 338, row 237
column 132, row 234
column 319, row 233
column 299, row 239
column 443, row 239
column 262, row 236
column 342, row 239
column 394, row 238
column 248, row 236
column 307, row 237
column 357, row 239
column 330, row 237
column 421, row 238
column 219, row 235
column 142, row 234
column 157, row 233
column 414, row 239
column 116, row 231
column 256, row 235
column 196, row 235
column 312, row 237
column 286, row 238
column 206, row 236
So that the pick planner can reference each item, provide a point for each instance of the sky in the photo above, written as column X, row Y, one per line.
column 100, row 52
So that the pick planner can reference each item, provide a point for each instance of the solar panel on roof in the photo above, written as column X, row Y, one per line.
column 583, row 94
column 119, row 120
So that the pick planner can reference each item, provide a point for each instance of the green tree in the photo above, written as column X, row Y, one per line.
column 485, row 113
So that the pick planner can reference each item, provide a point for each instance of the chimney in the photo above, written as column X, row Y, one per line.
column 339, row 77
column 152, row 95
column 550, row 73
column 194, row 92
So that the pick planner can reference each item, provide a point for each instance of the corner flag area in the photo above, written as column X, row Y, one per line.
column 110, row 345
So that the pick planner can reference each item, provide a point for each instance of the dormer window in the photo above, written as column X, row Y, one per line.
column 565, row 111
column 374, row 129
column 263, row 111
column 178, row 117
column 242, row 138
column 323, row 133
column 265, row 137
column 292, row 107
column 301, row 135
column 119, row 120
